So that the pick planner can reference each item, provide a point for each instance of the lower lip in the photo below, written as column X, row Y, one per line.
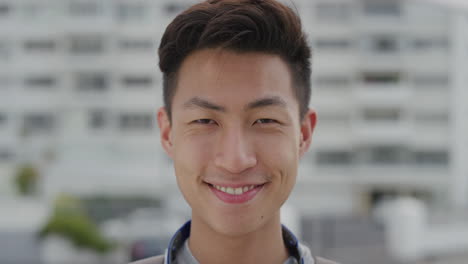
column 236, row 199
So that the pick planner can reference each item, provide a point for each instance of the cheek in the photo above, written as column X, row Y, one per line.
column 192, row 153
column 280, row 155
column 277, row 150
column 190, row 162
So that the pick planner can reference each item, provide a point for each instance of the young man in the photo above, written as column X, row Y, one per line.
column 236, row 84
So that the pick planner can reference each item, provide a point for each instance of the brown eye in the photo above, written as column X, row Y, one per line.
column 265, row 121
column 204, row 121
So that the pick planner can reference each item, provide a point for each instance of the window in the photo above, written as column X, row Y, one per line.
column 437, row 157
column 334, row 118
column 4, row 9
column 385, row 154
column 137, row 81
column 131, row 11
column 3, row 119
column 40, row 82
column 84, row 8
column 39, row 45
column 333, row 81
column 137, row 44
column 86, row 44
column 5, row 50
column 98, row 119
column 34, row 10
column 431, row 80
column 333, row 44
column 5, row 155
column 384, row 44
column 382, row 7
column 438, row 119
column 333, row 11
column 97, row 82
column 38, row 123
column 333, row 157
column 136, row 121
column 4, row 82
column 381, row 77
column 430, row 44
column 382, row 114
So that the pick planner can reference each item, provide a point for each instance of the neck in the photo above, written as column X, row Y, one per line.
column 264, row 245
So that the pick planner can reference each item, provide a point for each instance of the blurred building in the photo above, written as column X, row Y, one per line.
column 79, row 89
column 390, row 90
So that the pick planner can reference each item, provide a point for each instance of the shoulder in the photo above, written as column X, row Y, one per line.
column 324, row 261
column 153, row 260
column 308, row 258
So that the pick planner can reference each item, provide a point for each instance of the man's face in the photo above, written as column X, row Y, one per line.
column 235, row 137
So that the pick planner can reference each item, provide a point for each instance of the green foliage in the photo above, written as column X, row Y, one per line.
column 70, row 221
column 26, row 180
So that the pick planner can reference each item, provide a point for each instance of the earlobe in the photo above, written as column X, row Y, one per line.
column 165, row 130
column 307, row 129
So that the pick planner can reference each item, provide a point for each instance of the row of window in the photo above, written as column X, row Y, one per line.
column 376, row 156
column 343, row 11
column 100, row 81
column 384, row 43
column 382, row 155
column 39, row 123
column 330, row 11
column 372, row 115
column 123, row 11
column 384, row 77
column 95, row 82
column 100, row 119
column 78, row 45
column 97, row 44
column 137, row 10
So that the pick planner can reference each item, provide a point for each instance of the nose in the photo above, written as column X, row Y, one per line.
column 234, row 153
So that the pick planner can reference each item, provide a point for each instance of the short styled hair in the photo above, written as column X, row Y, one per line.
column 265, row 26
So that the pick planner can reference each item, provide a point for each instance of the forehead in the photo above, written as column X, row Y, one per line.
column 233, row 77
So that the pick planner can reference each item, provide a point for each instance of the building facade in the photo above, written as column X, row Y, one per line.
column 80, row 85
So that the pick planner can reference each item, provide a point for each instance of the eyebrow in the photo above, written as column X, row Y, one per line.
column 259, row 103
column 199, row 102
column 267, row 101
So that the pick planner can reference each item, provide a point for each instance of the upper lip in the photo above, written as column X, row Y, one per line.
column 234, row 185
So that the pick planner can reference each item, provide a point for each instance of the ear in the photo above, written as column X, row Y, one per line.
column 307, row 129
column 165, row 131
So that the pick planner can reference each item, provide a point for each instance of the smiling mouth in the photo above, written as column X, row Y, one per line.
column 236, row 195
column 235, row 191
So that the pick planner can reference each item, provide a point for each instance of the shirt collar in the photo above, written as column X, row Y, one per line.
column 178, row 239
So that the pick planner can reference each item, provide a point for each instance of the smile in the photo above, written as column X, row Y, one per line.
column 236, row 195
column 234, row 191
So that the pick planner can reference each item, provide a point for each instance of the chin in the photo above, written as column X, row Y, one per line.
column 237, row 226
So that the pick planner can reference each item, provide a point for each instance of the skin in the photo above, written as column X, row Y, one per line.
column 235, row 121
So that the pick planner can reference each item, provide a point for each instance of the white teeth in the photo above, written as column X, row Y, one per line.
column 234, row 191
column 230, row 190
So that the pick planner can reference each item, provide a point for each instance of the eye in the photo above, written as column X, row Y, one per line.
column 204, row 121
column 265, row 121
